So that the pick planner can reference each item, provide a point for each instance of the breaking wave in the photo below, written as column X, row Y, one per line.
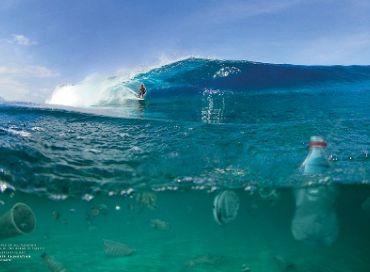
column 194, row 75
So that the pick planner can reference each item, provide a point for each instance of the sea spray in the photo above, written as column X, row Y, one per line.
column 92, row 91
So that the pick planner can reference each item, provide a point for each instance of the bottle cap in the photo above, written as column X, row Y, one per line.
column 317, row 141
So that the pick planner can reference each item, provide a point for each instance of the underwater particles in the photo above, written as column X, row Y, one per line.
column 147, row 200
column 55, row 215
column 159, row 224
column 314, row 219
column 95, row 212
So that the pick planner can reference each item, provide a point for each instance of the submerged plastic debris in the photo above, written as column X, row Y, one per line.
column 315, row 218
column 53, row 265
column 246, row 268
column 96, row 211
column 225, row 207
column 205, row 260
column 159, row 224
column 55, row 215
column 147, row 200
column 19, row 220
column 116, row 249
column 285, row 265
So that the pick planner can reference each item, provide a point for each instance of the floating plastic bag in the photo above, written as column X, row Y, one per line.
column 225, row 207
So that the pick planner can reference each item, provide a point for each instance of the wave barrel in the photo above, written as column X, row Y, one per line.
column 19, row 220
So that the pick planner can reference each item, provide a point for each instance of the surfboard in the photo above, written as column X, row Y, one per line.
column 136, row 96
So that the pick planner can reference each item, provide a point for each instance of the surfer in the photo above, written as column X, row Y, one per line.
column 142, row 91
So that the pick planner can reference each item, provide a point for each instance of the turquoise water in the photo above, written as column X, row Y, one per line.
column 145, row 174
column 258, row 238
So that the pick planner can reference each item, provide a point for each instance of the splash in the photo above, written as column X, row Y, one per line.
column 100, row 90
column 94, row 90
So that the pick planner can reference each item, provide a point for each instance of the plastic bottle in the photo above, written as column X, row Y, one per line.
column 315, row 218
column 316, row 161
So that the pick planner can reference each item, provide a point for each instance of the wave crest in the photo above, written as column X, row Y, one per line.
column 195, row 75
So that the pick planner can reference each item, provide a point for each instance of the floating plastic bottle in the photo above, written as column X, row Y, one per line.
column 315, row 219
column 316, row 161
column 225, row 207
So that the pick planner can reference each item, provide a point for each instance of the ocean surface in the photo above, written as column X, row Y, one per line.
column 118, row 184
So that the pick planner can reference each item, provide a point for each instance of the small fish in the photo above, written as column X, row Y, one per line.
column 116, row 249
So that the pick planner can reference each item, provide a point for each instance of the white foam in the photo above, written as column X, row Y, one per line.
column 93, row 90
column 15, row 131
column 102, row 90
column 226, row 71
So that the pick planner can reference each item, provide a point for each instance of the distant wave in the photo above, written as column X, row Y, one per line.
column 246, row 75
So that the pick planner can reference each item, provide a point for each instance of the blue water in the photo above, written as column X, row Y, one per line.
column 205, row 126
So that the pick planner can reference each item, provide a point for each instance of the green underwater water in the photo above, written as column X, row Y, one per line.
column 260, row 238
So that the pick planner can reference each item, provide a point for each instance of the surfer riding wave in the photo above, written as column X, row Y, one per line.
column 142, row 91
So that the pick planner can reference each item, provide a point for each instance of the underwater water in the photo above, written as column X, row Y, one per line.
column 204, row 175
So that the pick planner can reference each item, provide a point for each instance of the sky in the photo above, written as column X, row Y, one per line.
column 46, row 43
